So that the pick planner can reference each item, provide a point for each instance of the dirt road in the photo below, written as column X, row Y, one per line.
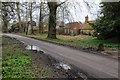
column 95, row 65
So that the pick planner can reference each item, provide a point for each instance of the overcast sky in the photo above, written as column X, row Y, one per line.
column 78, row 13
column 81, row 10
column 92, row 11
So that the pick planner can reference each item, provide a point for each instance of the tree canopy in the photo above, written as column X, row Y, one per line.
column 108, row 24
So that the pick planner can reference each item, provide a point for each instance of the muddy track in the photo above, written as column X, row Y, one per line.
column 62, row 69
column 95, row 65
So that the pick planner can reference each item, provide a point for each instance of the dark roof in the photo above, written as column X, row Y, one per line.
column 33, row 23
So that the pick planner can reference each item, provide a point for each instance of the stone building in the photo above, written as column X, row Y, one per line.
column 72, row 28
column 86, row 28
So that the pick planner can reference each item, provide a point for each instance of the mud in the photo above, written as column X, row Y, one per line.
column 62, row 69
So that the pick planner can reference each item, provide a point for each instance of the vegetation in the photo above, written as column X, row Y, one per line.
column 83, row 43
column 108, row 25
column 15, row 68
column 19, row 17
column 7, row 14
column 15, row 61
column 49, row 13
column 52, row 18
column 18, row 63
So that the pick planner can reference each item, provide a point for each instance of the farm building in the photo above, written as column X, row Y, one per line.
column 72, row 28
column 76, row 28
column 86, row 28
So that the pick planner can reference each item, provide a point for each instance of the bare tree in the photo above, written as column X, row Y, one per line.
column 63, row 13
column 26, row 17
column 26, row 29
column 53, row 6
column 31, row 5
column 52, row 18
column 19, row 17
column 7, row 13
column 28, row 9
column 44, row 12
column 25, row 8
column 40, row 18
column 4, row 18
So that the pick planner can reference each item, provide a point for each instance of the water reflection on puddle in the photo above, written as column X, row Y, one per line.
column 34, row 48
column 67, row 67
column 22, row 42
column 63, row 65
column 83, row 76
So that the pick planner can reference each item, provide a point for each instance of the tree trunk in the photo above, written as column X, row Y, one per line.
column 19, row 18
column 40, row 19
column 32, row 32
column 5, row 25
column 5, row 20
column 26, row 29
column 52, row 20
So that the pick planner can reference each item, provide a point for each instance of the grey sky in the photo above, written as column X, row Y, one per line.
column 81, row 10
column 79, row 13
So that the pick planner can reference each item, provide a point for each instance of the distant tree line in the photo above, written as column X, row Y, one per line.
column 17, row 11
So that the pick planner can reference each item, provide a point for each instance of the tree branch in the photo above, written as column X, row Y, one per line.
column 62, row 3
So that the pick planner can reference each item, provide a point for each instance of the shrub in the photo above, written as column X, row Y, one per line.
column 100, row 47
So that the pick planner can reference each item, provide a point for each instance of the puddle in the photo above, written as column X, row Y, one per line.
column 63, row 65
column 83, row 76
column 22, row 42
column 34, row 48
column 71, row 72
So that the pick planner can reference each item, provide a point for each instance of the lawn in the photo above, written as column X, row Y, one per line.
column 80, row 42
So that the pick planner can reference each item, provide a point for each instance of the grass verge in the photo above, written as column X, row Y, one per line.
column 18, row 62
column 14, row 60
column 80, row 42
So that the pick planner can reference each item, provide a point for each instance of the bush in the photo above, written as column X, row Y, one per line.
column 100, row 47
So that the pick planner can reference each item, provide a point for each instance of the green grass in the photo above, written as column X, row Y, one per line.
column 84, row 43
column 107, row 43
column 14, row 61
column 15, row 67
column 17, row 63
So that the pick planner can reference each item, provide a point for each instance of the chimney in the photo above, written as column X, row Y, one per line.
column 86, row 19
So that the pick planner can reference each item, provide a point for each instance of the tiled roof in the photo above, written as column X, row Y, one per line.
column 74, row 25
column 77, row 25
column 86, row 26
